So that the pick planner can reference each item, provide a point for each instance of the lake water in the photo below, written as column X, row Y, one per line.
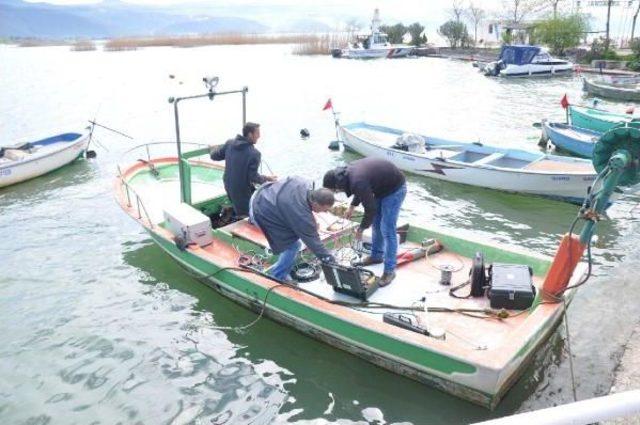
column 97, row 325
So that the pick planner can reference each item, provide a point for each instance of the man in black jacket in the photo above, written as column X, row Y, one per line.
column 380, row 186
column 242, row 160
column 284, row 212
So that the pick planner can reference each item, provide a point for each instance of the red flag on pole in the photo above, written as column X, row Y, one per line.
column 328, row 105
column 564, row 102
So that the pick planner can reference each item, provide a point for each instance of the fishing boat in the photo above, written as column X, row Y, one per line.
column 526, row 61
column 372, row 45
column 619, row 89
column 473, row 163
column 596, row 119
column 465, row 344
column 28, row 160
column 575, row 140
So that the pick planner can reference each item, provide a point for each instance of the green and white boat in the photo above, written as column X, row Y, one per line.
column 458, row 344
column 597, row 119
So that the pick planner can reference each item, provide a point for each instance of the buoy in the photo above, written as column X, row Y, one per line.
column 304, row 134
column 564, row 263
column 334, row 145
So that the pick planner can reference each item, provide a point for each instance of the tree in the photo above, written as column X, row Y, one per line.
column 633, row 25
column 396, row 32
column 476, row 16
column 607, row 40
column 415, row 30
column 457, row 9
column 561, row 33
column 455, row 32
column 517, row 10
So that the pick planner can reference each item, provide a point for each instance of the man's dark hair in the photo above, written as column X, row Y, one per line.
column 335, row 179
column 322, row 197
column 249, row 128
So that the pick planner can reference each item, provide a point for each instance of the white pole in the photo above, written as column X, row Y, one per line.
column 581, row 412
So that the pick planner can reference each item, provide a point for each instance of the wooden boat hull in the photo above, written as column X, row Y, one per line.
column 596, row 119
column 561, row 184
column 578, row 141
column 479, row 374
column 612, row 91
column 44, row 161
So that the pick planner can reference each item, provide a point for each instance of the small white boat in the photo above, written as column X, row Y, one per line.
column 475, row 164
column 28, row 160
column 373, row 45
column 526, row 61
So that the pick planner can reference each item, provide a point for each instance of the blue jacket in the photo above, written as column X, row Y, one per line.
column 283, row 212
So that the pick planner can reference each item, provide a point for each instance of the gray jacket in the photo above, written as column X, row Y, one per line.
column 283, row 212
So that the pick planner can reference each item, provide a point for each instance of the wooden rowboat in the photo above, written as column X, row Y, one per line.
column 475, row 164
column 575, row 140
column 622, row 90
column 596, row 119
column 28, row 160
column 468, row 350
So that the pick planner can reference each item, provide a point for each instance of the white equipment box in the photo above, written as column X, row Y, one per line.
column 188, row 223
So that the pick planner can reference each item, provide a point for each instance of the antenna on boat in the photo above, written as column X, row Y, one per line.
column 184, row 168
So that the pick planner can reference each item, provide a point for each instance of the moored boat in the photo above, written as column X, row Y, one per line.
column 596, row 119
column 372, row 45
column 526, row 61
column 575, row 140
column 621, row 89
column 469, row 345
column 28, row 160
column 475, row 164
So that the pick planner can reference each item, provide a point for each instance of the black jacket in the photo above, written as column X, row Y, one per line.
column 369, row 180
column 283, row 212
column 241, row 171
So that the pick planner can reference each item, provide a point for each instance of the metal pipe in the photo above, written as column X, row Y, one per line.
column 244, row 105
column 588, row 411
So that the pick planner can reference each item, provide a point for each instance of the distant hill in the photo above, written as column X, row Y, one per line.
column 110, row 18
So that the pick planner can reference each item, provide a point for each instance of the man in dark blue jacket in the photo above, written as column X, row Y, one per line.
column 242, row 160
column 283, row 210
column 380, row 187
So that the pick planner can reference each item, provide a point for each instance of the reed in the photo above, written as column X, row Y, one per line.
column 132, row 43
column 38, row 42
column 83, row 46
column 321, row 45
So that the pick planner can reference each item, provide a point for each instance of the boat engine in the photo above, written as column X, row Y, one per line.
column 493, row 69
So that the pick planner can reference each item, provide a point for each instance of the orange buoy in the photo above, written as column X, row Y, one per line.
column 564, row 263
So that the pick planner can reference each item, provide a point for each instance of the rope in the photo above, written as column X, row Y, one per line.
column 566, row 327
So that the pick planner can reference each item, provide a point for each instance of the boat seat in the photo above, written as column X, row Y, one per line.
column 487, row 159
column 329, row 226
column 15, row 154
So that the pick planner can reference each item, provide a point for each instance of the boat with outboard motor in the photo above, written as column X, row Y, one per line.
column 25, row 161
column 473, row 163
column 454, row 338
column 575, row 140
column 372, row 45
column 526, row 61
column 596, row 119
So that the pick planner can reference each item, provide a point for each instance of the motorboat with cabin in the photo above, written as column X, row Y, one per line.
column 372, row 45
column 526, row 61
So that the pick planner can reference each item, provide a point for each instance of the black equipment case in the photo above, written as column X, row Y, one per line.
column 511, row 286
column 353, row 281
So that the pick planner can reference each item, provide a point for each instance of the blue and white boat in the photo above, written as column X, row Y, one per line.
column 575, row 140
column 526, row 61
column 473, row 163
column 32, row 159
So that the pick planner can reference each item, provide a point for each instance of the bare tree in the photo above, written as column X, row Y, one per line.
column 554, row 5
column 607, row 40
column 633, row 25
column 457, row 9
column 476, row 15
column 517, row 10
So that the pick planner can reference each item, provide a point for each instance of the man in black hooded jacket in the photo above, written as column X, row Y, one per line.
column 242, row 160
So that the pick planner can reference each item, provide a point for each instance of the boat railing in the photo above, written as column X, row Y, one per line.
column 152, row 150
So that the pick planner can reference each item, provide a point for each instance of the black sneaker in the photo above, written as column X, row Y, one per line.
column 386, row 278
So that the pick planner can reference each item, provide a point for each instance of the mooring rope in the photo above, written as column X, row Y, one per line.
column 566, row 327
